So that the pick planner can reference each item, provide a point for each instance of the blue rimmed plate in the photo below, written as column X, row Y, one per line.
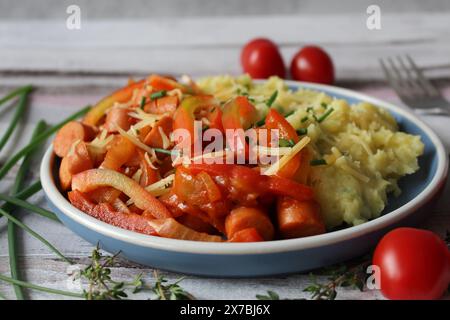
column 272, row 257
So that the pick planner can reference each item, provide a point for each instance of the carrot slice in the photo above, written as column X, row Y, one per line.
column 76, row 160
column 154, row 137
column 69, row 134
column 120, row 152
column 106, row 213
column 117, row 117
column 299, row 218
column 91, row 179
column 170, row 228
column 244, row 217
column 246, row 235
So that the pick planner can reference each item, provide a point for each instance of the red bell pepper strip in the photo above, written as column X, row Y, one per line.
column 275, row 121
column 250, row 180
column 106, row 213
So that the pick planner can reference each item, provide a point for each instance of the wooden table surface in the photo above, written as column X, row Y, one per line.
column 75, row 68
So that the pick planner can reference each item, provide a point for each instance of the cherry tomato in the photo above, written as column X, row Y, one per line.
column 414, row 264
column 260, row 58
column 312, row 64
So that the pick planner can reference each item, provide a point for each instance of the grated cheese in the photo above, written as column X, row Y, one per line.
column 165, row 138
column 135, row 140
column 274, row 168
column 343, row 164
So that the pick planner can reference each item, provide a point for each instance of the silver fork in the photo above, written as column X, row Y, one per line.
column 413, row 88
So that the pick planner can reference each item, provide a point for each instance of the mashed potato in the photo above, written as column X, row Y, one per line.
column 364, row 151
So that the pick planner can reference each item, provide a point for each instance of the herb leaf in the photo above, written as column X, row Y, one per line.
column 272, row 99
column 271, row 295
column 158, row 94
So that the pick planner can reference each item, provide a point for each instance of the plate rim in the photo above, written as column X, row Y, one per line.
column 269, row 247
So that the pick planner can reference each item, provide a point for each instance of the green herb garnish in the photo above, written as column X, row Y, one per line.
column 289, row 113
column 324, row 105
column 309, row 109
column 158, row 94
column 318, row 162
column 325, row 115
column 286, row 143
column 36, row 142
column 304, row 119
column 15, row 120
column 143, row 100
column 272, row 99
column 271, row 295
column 302, row 131
column 14, row 93
column 18, row 184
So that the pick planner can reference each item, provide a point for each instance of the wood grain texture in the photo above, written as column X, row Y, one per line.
column 41, row 267
column 183, row 45
column 71, row 69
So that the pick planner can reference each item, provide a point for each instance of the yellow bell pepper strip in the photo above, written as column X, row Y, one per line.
column 185, row 115
column 122, row 95
column 91, row 179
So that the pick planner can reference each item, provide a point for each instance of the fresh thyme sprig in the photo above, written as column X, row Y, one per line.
column 101, row 286
column 338, row 276
column 170, row 291
column 271, row 295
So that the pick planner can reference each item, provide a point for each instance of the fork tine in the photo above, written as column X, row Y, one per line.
column 391, row 78
column 411, row 80
column 426, row 84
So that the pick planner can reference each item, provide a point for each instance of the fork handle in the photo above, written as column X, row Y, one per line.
column 434, row 111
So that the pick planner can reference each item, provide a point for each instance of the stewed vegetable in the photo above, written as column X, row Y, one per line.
column 140, row 160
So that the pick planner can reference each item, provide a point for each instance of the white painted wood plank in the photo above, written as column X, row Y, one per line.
column 212, row 45
column 227, row 31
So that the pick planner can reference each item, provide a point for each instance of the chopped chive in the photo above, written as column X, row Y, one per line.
column 143, row 100
column 324, row 105
column 261, row 122
column 158, row 94
column 304, row 119
column 18, row 184
column 302, row 131
column 325, row 115
column 286, row 143
column 165, row 151
column 26, row 205
column 40, row 288
column 34, row 234
column 15, row 120
column 14, row 93
column 318, row 162
column 289, row 113
column 272, row 99
column 36, row 141
column 309, row 109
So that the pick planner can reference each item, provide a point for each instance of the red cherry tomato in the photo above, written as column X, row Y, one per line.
column 414, row 264
column 260, row 58
column 312, row 64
